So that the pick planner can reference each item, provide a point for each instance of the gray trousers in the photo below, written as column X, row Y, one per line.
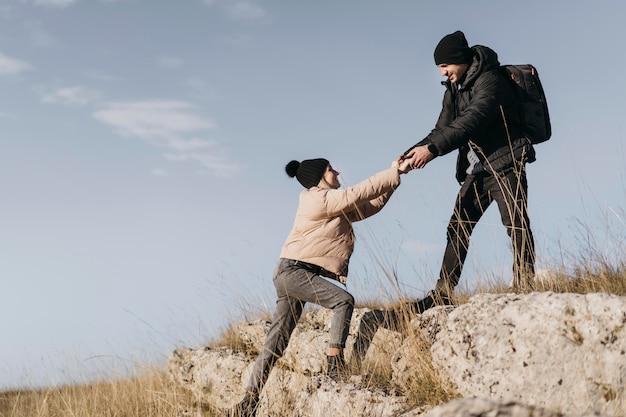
column 295, row 286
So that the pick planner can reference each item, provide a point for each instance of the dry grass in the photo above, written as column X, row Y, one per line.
column 150, row 395
column 580, row 280
column 425, row 385
column 153, row 394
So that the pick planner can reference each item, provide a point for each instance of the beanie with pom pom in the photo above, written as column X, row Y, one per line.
column 308, row 172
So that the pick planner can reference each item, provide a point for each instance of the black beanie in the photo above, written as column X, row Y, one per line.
column 308, row 172
column 453, row 49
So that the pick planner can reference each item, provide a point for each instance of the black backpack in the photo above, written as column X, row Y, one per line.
column 534, row 108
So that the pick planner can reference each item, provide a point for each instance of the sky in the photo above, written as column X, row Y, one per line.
column 143, row 144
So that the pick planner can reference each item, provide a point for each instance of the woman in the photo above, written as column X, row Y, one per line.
column 319, row 245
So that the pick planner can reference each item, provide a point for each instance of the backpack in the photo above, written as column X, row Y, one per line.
column 534, row 108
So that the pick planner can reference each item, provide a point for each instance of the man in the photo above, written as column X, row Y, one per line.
column 480, row 117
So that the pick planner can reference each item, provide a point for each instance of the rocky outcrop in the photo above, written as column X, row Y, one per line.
column 483, row 407
column 559, row 351
column 538, row 354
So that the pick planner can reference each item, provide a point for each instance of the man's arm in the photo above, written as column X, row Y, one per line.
column 451, row 134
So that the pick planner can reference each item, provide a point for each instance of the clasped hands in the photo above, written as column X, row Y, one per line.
column 417, row 157
column 402, row 164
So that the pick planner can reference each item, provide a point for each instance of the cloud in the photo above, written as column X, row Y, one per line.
column 55, row 3
column 169, row 62
column 240, row 9
column 37, row 34
column 6, row 11
column 101, row 76
column 159, row 172
column 71, row 96
column 10, row 66
column 215, row 161
column 157, row 121
column 169, row 125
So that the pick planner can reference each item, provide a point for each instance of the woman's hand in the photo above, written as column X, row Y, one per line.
column 402, row 164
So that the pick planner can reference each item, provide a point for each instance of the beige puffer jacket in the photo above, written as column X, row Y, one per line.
column 322, row 233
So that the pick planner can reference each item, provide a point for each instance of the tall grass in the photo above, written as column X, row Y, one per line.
column 148, row 395
column 154, row 394
column 151, row 393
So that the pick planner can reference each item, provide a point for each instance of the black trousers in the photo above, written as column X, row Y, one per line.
column 509, row 191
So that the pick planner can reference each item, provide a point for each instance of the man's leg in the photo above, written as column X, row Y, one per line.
column 471, row 203
column 511, row 193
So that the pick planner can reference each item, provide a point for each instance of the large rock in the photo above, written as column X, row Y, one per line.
column 213, row 375
column 219, row 375
column 482, row 407
column 533, row 355
column 565, row 352
column 413, row 357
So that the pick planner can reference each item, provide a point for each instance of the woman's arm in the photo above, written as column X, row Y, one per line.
column 365, row 198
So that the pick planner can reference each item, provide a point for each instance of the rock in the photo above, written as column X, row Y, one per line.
column 409, row 360
column 564, row 352
column 213, row 375
column 322, row 397
column 482, row 407
column 507, row 355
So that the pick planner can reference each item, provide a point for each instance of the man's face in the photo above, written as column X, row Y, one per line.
column 453, row 71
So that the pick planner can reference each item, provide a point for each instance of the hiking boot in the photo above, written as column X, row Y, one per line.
column 246, row 408
column 424, row 304
column 442, row 299
column 336, row 369
column 431, row 300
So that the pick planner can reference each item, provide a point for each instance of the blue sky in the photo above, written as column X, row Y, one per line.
column 143, row 145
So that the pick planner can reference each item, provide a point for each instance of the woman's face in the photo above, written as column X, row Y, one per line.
column 331, row 177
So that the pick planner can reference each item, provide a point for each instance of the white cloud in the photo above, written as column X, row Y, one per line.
column 71, row 96
column 169, row 125
column 6, row 11
column 169, row 62
column 199, row 89
column 101, row 76
column 55, row 3
column 159, row 172
column 158, row 121
column 245, row 10
column 10, row 65
column 218, row 163
column 37, row 34
column 240, row 9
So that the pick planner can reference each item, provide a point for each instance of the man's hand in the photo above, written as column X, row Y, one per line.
column 420, row 156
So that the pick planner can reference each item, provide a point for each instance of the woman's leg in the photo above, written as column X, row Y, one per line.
column 286, row 316
column 308, row 287
column 296, row 286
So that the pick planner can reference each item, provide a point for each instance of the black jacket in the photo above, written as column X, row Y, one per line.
column 481, row 111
